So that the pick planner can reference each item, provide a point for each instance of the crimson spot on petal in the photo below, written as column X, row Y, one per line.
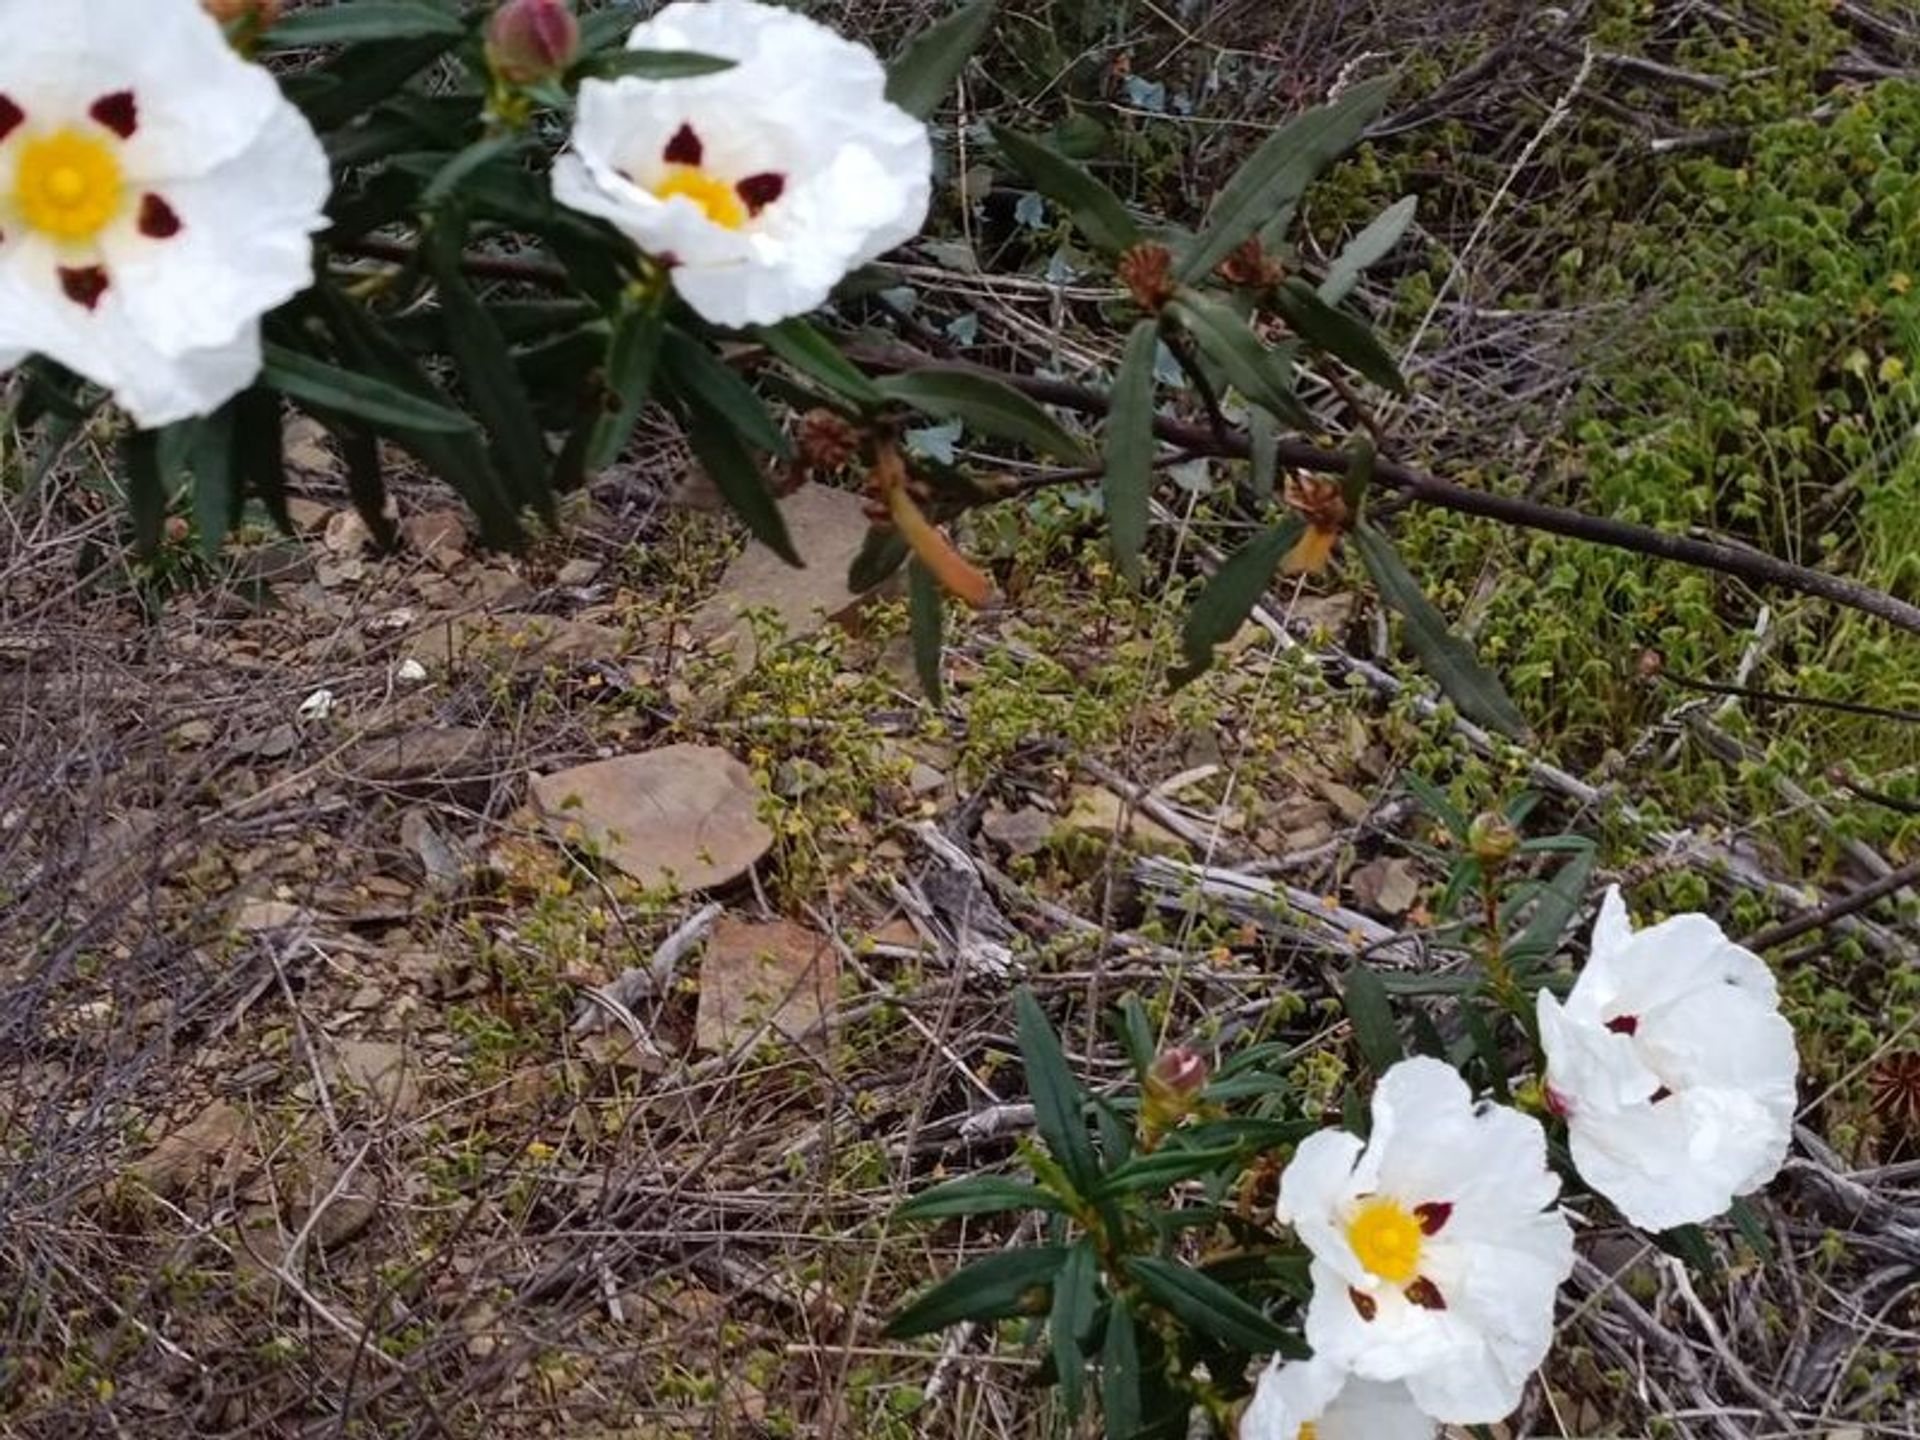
column 1624, row 1024
column 1364, row 1303
column 1663, row 1093
column 1424, row 1293
column 118, row 112
column 158, row 221
column 1433, row 1215
column 11, row 116
column 84, row 284
column 685, row 147
column 760, row 191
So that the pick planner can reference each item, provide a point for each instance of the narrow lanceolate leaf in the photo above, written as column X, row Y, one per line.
column 1099, row 213
column 1280, row 170
column 356, row 20
column 1367, row 249
column 491, row 382
column 1012, row 1282
column 259, row 453
column 1120, row 1375
column 1076, row 1296
column 1258, row 371
column 736, row 472
column 1127, row 481
column 976, row 1195
column 1553, row 912
column 813, row 355
column 1235, row 589
column 464, row 162
column 1343, row 336
column 1448, row 658
column 927, row 627
column 366, row 482
column 987, row 405
column 883, row 553
column 217, row 493
column 146, row 489
column 925, row 73
column 315, row 382
column 653, row 64
column 935, row 553
column 633, row 354
column 1059, row 1104
column 698, row 371
column 1371, row 1015
column 1210, row 1307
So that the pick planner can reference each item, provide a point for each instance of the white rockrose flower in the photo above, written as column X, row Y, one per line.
column 1436, row 1244
column 760, row 186
column 1317, row 1400
column 1673, row 1066
column 157, row 197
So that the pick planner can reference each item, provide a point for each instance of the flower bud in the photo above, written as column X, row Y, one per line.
column 259, row 14
column 529, row 41
column 1492, row 839
column 1171, row 1092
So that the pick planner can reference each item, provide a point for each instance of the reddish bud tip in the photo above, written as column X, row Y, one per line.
column 529, row 41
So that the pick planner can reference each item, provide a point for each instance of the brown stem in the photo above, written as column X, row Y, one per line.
column 1848, row 904
column 1749, row 565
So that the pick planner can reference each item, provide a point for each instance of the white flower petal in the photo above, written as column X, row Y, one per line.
column 1317, row 1185
column 1368, row 1410
column 1682, row 1161
column 1338, row 1405
column 244, row 246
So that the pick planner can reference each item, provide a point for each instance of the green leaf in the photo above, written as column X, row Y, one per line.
column 1262, row 373
column 1553, row 912
column 1120, row 1374
column 1367, row 249
column 1280, row 170
column 146, row 490
column 217, row 495
column 356, row 20
column 491, row 382
column 362, row 76
column 633, row 354
column 1204, row 1304
column 1690, row 1243
column 1343, row 336
column 924, row 73
column 1223, row 607
column 259, row 453
column 1076, row 1298
column 1164, row 1168
column 1263, row 457
column 653, row 64
column 987, row 405
column 1372, row 1017
column 1752, row 1228
column 884, row 551
column 1011, row 1282
column 1449, row 659
column 315, row 382
column 483, row 151
column 976, row 1195
column 1098, row 212
column 808, row 351
column 696, row 370
column 737, row 473
column 366, row 484
column 1059, row 1104
column 1435, row 802
column 1127, row 481
column 927, row 622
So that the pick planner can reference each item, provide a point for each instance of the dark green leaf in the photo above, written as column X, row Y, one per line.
column 217, row 495
column 1235, row 589
column 1487, row 1046
column 1059, row 1104
column 1011, row 1282
column 146, row 489
column 1127, row 481
column 1098, row 212
column 1435, row 802
column 632, row 357
column 1076, row 1297
column 259, row 452
column 1372, row 1017
column 737, row 473
column 488, row 374
column 481, row 152
column 1262, row 373
column 1366, row 249
column 1559, row 901
column 924, row 73
column 357, row 20
column 1448, row 658
column 1206, row 1305
column 1280, row 170
column 315, row 382
column 1136, row 1032
column 812, row 354
column 654, row 64
column 1120, row 1374
column 1752, row 1228
column 1263, row 446
column 976, row 1195
column 696, row 370
column 366, row 483
column 1690, row 1243
column 1167, row 1167
column 987, row 405
column 884, row 551
column 926, row 620
column 360, row 77
column 1343, row 336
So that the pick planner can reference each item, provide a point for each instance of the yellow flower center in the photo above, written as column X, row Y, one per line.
column 1386, row 1239
column 719, row 201
column 68, row 185
column 1309, row 1431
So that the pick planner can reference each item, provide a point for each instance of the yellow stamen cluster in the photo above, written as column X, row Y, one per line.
column 718, row 200
column 1385, row 1237
column 68, row 185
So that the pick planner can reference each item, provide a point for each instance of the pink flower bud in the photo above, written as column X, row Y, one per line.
column 532, row 40
column 1179, row 1071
